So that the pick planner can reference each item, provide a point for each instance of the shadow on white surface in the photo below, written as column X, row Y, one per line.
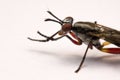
column 75, row 59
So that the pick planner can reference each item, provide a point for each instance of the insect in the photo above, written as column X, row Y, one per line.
column 89, row 33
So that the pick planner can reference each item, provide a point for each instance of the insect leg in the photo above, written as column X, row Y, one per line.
column 78, row 42
column 37, row 40
column 42, row 34
column 47, row 38
column 84, row 57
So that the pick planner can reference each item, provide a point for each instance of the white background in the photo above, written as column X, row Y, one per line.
column 22, row 59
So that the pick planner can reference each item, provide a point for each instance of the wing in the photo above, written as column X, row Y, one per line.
column 108, row 34
column 112, row 36
column 99, row 31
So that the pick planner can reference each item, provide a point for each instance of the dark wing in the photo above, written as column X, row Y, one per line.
column 108, row 34
column 112, row 36
column 99, row 31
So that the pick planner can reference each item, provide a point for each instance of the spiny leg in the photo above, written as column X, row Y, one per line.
column 77, row 40
column 73, row 35
column 40, row 40
column 83, row 59
column 37, row 40
column 47, row 38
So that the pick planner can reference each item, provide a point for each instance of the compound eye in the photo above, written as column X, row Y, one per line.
column 68, row 20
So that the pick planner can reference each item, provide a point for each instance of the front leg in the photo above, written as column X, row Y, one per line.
column 77, row 40
column 47, row 38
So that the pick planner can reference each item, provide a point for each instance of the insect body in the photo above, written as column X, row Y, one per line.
column 85, row 32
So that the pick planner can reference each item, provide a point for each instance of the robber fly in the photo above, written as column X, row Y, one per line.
column 89, row 33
